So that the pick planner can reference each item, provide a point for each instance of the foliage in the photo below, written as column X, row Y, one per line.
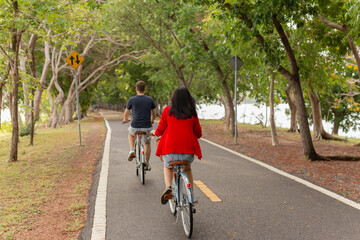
column 6, row 127
column 25, row 131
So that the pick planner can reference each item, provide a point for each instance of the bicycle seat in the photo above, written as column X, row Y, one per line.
column 174, row 163
column 140, row 133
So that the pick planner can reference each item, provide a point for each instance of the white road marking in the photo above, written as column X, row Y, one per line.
column 99, row 224
column 297, row 179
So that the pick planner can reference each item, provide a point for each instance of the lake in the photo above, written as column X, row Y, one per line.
column 247, row 113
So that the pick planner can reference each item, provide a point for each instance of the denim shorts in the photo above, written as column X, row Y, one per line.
column 177, row 157
column 147, row 137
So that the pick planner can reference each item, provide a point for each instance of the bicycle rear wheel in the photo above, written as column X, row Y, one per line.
column 186, row 208
column 172, row 202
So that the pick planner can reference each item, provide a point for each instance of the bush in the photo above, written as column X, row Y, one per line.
column 25, row 131
column 6, row 127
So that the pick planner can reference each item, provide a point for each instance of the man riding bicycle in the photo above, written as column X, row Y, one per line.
column 143, row 116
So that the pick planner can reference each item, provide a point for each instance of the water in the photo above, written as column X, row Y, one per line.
column 247, row 113
column 250, row 113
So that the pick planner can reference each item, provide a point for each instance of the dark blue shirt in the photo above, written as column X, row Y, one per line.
column 141, row 106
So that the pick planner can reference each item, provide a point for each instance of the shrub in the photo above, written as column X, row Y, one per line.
column 6, row 127
column 25, row 131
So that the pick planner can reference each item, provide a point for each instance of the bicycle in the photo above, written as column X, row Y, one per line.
column 181, row 200
column 140, row 156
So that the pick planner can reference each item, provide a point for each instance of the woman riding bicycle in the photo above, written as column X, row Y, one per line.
column 179, row 129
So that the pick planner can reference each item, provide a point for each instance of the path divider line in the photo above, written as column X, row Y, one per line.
column 99, row 225
column 210, row 194
column 285, row 174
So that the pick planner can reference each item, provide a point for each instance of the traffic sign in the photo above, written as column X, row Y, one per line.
column 238, row 61
column 74, row 59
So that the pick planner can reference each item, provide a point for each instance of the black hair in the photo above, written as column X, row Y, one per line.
column 182, row 104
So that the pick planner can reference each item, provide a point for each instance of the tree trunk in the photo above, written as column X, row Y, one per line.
column 274, row 136
column 32, row 66
column 294, row 79
column 227, row 114
column 14, row 113
column 67, row 112
column 39, row 90
column 318, row 128
column 335, row 129
column 25, row 90
column 293, row 110
column 308, row 147
column 230, row 105
column 15, row 45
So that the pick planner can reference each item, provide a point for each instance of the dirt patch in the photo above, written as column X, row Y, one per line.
column 342, row 177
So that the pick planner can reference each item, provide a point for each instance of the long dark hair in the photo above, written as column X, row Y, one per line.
column 182, row 104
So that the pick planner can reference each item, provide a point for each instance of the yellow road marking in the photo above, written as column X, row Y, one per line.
column 212, row 196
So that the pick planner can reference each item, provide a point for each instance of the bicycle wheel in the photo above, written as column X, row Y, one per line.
column 142, row 173
column 186, row 208
column 172, row 202
column 137, row 154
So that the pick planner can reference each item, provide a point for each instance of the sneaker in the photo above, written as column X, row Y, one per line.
column 147, row 167
column 166, row 195
column 131, row 155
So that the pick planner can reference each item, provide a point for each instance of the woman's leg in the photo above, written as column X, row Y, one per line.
column 188, row 172
column 168, row 174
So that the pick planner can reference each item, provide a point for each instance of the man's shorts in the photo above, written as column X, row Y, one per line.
column 147, row 137
column 167, row 158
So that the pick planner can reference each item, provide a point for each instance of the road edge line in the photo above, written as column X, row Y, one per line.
column 285, row 174
column 99, row 224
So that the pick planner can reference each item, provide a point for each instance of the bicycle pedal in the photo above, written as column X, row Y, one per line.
column 168, row 196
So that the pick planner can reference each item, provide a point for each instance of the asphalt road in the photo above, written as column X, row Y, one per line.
column 256, row 203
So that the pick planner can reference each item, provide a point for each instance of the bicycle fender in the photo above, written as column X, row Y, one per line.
column 188, row 190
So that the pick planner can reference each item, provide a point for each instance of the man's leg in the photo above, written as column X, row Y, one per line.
column 131, row 141
column 147, row 146
column 132, row 146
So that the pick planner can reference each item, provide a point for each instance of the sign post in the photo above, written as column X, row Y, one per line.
column 74, row 60
column 236, row 63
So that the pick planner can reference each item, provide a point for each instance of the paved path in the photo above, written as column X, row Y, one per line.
column 257, row 203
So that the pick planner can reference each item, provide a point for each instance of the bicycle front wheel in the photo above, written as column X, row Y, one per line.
column 142, row 173
column 137, row 161
column 186, row 208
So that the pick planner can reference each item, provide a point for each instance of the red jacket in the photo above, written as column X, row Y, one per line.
column 178, row 135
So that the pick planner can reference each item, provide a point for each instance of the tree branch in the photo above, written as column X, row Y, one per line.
column 288, row 49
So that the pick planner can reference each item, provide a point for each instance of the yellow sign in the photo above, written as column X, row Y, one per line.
column 74, row 59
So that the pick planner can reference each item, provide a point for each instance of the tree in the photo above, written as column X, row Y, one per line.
column 265, row 20
column 16, row 30
column 274, row 136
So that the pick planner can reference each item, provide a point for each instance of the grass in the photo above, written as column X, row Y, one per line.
column 27, row 184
